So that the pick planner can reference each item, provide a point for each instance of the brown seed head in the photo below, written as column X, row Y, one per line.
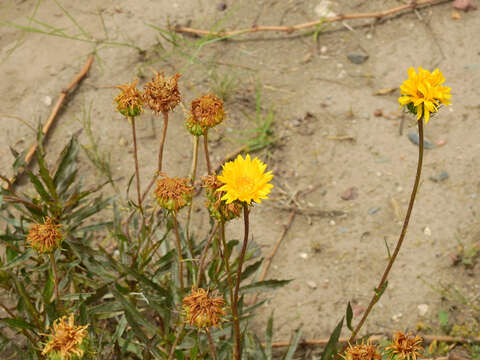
column 362, row 352
column 66, row 338
column 161, row 94
column 173, row 193
column 46, row 237
column 129, row 101
column 218, row 208
column 206, row 113
column 405, row 347
column 203, row 311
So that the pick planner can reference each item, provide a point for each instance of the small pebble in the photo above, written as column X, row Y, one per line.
column 415, row 139
column 311, row 284
column 47, row 100
column 303, row 255
column 357, row 58
column 441, row 176
column 422, row 309
column 122, row 141
column 397, row 317
column 427, row 231
column 332, row 222
column 374, row 210
column 323, row 50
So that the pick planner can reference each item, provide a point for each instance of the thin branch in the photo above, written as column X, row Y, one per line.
column 290, row 29
column 53, row 115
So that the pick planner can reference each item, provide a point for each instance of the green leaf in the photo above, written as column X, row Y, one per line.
column 331, row 347
column 251, row 269
column 443, row 318
column 132, row 313
column 349, row 316
column 39, row 186
column 268, row 338
column 379, row 292
column 67, row 161
column 18, row 323
column 293, row 345
column 262, row 286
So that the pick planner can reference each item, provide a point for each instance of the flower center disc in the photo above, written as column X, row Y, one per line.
column 245, row 184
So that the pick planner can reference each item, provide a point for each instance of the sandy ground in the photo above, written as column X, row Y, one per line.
column 319, row 97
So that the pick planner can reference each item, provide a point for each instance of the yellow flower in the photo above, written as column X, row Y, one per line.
column 66, row 339
column 422, row 93
column 245, row 180
column 45, row 238
column 202, row 310
column 405, row 347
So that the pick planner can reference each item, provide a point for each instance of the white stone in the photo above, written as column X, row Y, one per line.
column 422, row 309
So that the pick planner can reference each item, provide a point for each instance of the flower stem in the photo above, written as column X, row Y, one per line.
column 55, row 276
column 237, row 352
column 179, row 250
column 162, row 142
column 193, row 174
column 204, row 255
column 207, row 155
column 383, row 281
column 212, row 345
column 225, row 259
column 137, row 173
column 177, row 339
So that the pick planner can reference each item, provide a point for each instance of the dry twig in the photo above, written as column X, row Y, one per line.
column 413, row 5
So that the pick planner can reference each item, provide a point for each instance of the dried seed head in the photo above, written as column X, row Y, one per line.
column 405, row 347
column 362, row 352
column 66, row 340
column 206, row 113
column 129, row 101
column 218, row 208
column 46, row 237
column 161, row 94
column 173, row 193
column 203, row 311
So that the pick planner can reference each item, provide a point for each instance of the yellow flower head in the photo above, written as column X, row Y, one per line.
column 245, row 180
column 66, row 339
column 423, row 92
column 173, row 193
column 129, row 101
column 362, row 352
column 162, row 94
column 217, row 208
column 46, row 237
column 202, row 310
column 405, row 347
column 207, row 112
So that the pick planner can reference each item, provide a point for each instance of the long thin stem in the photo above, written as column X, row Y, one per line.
column 383, row 281
column 204, row 255
column 193, row 174
column 137, row 173
column 162, row 142
column 177, row 339
column 55, row 277
column 179, row 250
column 225, row 260
column 213, row 352
column 237, row 353
column 207, row 155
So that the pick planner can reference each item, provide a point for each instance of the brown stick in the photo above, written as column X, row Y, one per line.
column 53, row 115
column 289, row 29
column 204, row 255
column 376, row 338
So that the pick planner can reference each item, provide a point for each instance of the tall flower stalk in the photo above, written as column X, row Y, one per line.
column 245, row 181
column 422, row 94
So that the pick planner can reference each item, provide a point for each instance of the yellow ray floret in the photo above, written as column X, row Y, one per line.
column 245, row 180
column 423, row 92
